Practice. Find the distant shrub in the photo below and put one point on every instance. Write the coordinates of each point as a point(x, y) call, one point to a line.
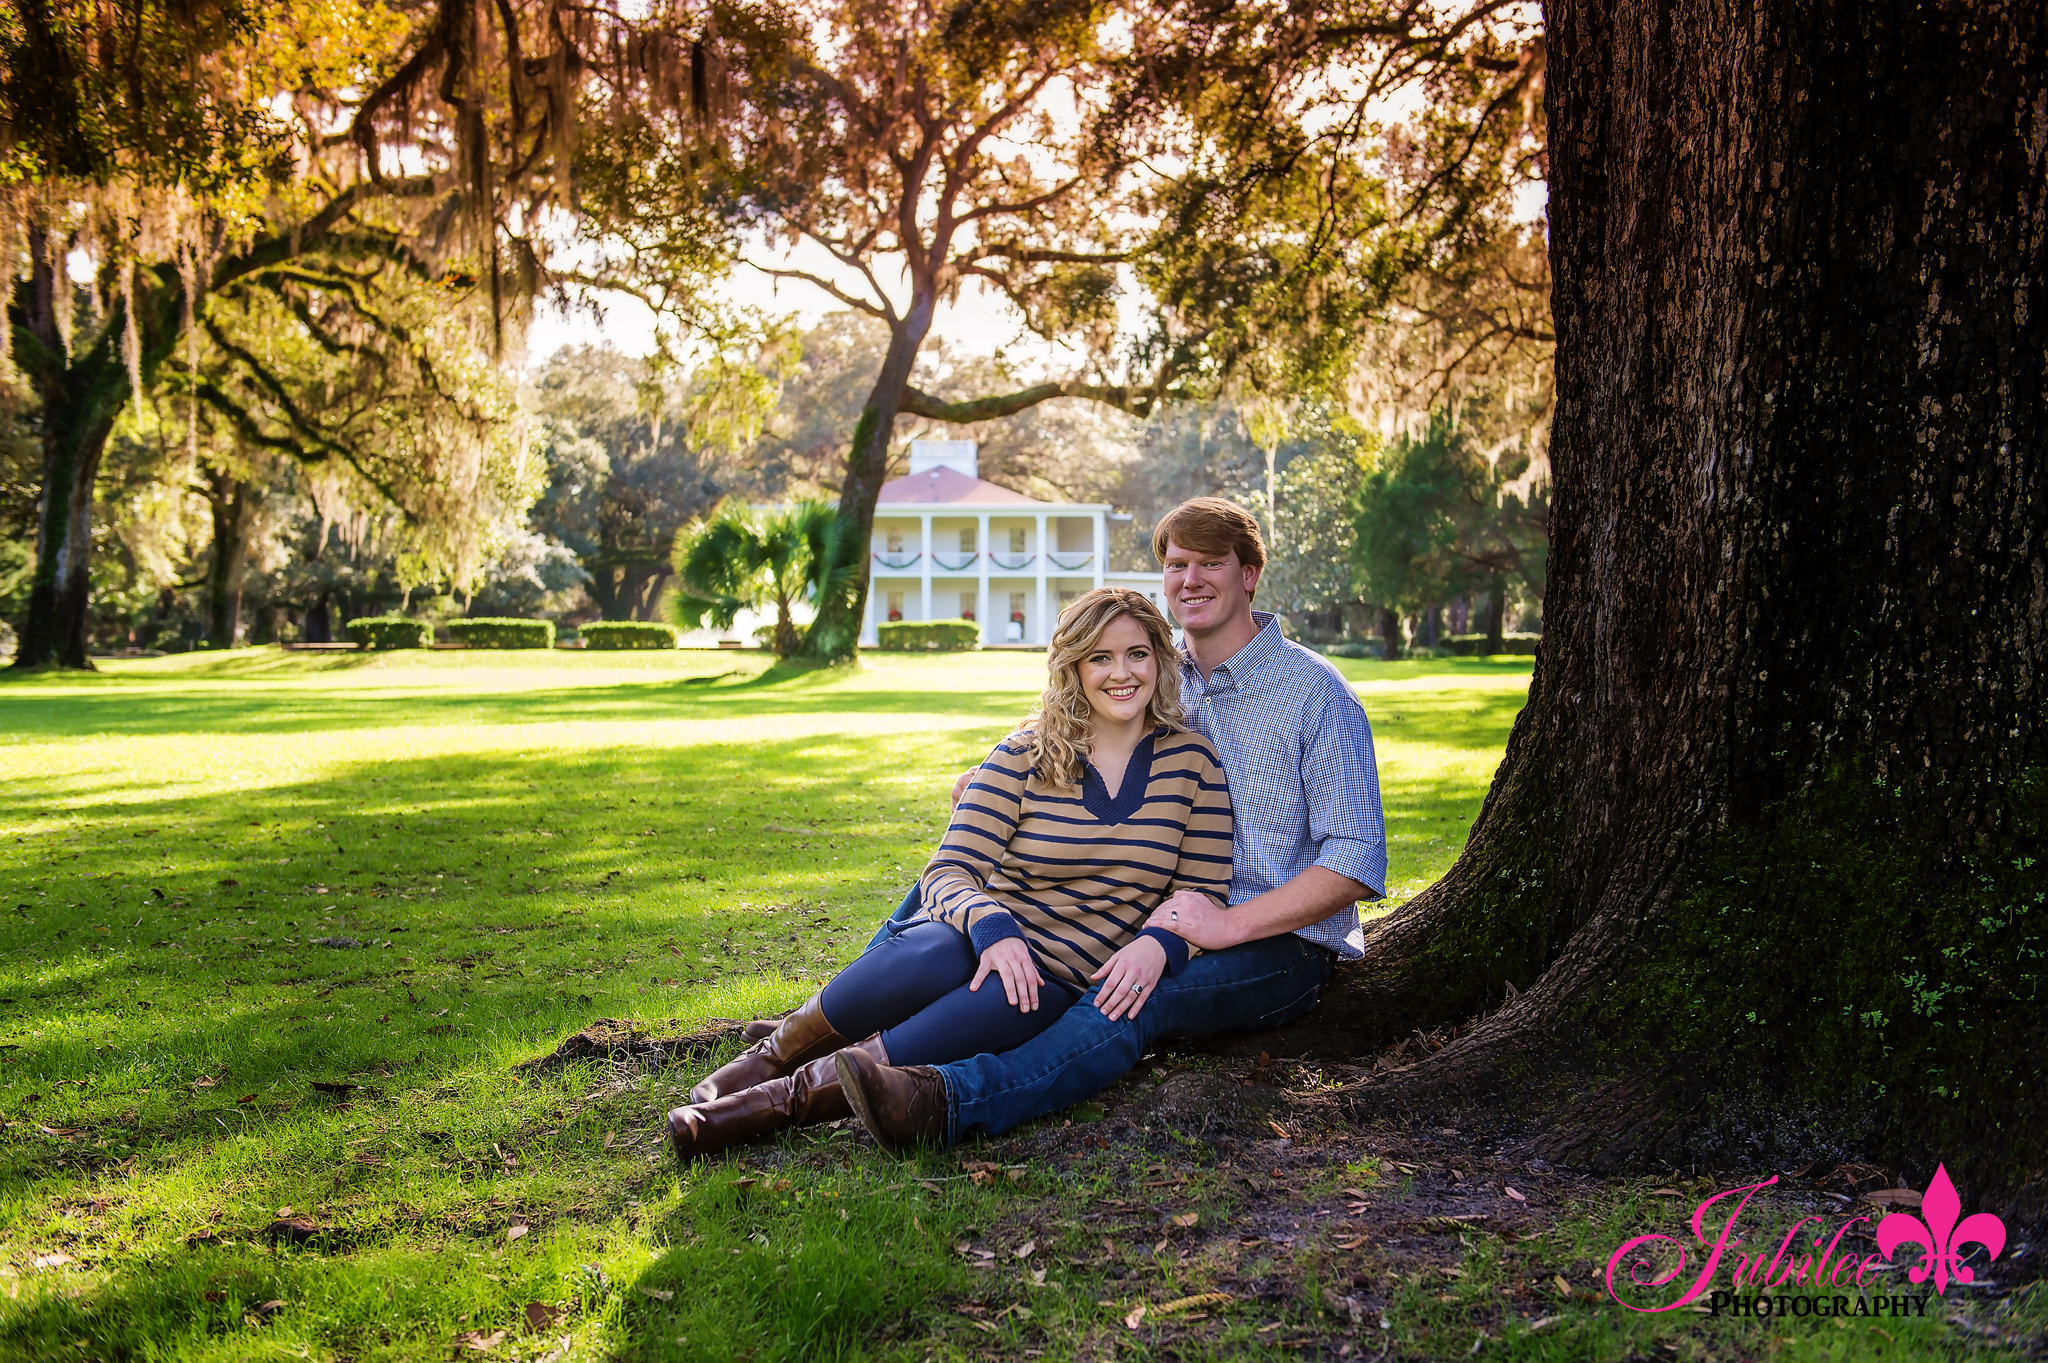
point(915, 636)
point(390, 631)
point(486, 632)
point(1474, 645)
point(1356, 648)
point(630, 634)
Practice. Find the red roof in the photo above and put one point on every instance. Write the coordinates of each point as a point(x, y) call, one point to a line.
point(949, 487)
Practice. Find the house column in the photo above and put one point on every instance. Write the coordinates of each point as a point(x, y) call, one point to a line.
point(1044, 622)
point(981, 544)
point(924, 563)
point(1101, 546)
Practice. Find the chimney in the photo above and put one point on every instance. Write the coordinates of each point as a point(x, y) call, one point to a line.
point(962, 456)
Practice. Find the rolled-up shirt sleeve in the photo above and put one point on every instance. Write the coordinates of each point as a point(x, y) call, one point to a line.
point(1340, 780)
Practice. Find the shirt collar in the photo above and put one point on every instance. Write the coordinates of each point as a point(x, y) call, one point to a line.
point(1241, 664)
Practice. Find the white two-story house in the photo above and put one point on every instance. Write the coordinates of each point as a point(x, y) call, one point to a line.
point(948, 546)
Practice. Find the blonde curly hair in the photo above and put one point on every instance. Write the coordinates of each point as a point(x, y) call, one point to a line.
point(1060, 733)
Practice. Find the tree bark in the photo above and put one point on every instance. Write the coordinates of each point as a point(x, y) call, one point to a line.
point(1390, 634)
point(835, 631)
point(233, 504)
point(1496, 614)
point(1758, 856)
point(80, 395)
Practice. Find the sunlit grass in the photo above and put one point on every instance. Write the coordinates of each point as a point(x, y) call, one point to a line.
point(516, 844)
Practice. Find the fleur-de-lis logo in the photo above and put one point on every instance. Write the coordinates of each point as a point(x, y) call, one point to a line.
point(1939, 1234)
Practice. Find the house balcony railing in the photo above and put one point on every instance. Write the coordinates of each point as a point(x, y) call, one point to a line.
point(1011, 562)
point(955, 563)
point(897, 561)
point(1070, 561)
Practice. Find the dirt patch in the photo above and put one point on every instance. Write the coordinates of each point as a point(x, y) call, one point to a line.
point(624, 1042)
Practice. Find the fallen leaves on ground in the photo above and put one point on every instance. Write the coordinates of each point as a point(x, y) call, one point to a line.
point(540, 1315)
point(480, 1341)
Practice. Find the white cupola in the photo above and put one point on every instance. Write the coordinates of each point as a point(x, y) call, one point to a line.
point(962, 456)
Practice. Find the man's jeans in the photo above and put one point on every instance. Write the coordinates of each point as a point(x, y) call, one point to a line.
point(1267, 983)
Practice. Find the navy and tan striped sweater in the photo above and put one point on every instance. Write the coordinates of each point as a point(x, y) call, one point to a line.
point(1075, 874)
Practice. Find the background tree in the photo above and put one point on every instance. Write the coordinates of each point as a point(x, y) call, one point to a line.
point(1440, 518)
point(896, 146)
point(153, 145)
point(1754, 877)
point(635, 451)
point(740, 561)
point(1309, 576)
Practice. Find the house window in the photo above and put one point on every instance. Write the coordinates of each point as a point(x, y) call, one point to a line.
point(1017, 607)
point(1017, 541)
point(967, 605)
point(896, 540)
point(895, 605)
point(968, 546)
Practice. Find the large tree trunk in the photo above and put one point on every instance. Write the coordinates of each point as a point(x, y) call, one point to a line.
point(1496, 614)
point(80, 395)
point(233, 503)
point(1760, 856)
point(835, 631)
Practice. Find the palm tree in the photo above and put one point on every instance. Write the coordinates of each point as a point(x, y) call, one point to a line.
point(737, 560)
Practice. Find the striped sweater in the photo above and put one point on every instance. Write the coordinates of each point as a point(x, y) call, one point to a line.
point(1076, 875)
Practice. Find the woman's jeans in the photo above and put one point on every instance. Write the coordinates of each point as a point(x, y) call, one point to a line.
point(1267, 983)
point(912, 988)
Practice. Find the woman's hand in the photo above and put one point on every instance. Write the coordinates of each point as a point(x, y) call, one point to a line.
point(1129, 977)
point(1011, 959)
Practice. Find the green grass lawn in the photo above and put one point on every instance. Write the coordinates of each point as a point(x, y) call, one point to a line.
point(278, 928)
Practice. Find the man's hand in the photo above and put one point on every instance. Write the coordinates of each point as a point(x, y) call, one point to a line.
point(961, 783)
point(1194, 917)
point(1011, 959)
point(1129, 977)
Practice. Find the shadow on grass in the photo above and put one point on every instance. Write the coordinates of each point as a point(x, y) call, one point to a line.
point(786, 1279)
point(518, 901)
point(137, 712)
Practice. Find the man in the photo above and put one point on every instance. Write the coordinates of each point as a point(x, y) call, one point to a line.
point(1309, 844)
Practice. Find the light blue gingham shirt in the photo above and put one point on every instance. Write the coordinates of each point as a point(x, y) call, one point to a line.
point(1304, 788)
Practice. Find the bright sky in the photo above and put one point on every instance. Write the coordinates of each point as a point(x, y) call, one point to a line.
point(981, 322)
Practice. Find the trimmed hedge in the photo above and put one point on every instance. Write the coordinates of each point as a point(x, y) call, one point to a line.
point(390, 631)
point(1357, 648)
point(630, 634)
point(1474, 645)
point(486, 632)
point(915, 636)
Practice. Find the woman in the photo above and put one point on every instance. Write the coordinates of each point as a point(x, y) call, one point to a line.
point(1076, 826)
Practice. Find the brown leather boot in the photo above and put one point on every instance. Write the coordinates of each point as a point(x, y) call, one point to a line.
point(809, 1096)
point(900, 1106)
point(803, 1035)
